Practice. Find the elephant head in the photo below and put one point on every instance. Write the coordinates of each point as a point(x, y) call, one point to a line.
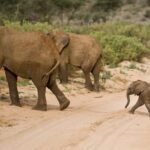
point(61, 40)
point(136, 87)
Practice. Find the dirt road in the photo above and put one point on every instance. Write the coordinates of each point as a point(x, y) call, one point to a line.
point(94, 121)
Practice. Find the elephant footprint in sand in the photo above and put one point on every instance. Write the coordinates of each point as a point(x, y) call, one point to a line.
point(142, 89)
point(30, 55)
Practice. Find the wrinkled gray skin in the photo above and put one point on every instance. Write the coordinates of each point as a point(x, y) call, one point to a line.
point(142, 89)
point(32, 56)
point(82, 51)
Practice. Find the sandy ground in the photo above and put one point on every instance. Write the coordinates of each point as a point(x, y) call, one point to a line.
point(94, 121)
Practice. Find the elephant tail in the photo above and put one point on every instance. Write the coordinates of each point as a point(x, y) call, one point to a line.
point(45, 77)
point(56, 65)
point(99, 63)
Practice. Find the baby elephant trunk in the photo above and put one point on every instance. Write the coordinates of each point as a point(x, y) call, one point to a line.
point(128, 100)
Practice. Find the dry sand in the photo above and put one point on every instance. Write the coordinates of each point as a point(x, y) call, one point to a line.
point(94, 121)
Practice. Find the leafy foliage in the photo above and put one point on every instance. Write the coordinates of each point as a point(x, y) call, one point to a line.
point(36, 10)
point(107, 5)
point(68, 11)
point(118, 48)
point(120, 41)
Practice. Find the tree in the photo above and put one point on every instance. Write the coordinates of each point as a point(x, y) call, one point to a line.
point(67, 6)
point(107, 5)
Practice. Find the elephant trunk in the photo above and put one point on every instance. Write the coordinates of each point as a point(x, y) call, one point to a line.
point(128, 100)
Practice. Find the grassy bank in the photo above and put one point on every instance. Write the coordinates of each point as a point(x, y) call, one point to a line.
point(120, 41)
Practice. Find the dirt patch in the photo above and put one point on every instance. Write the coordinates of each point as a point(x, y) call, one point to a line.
point(93, 121)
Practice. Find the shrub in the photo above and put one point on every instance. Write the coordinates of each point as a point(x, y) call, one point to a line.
point(43, 27)
point(118, 48)
point(107, 5)
point(120, 40)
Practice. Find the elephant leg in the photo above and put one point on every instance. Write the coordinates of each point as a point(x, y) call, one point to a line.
point(147, 104)
point(63, 101)
point(138, 104)
point(63, 73)
point(1, 59)
point(96, 72)
point(12, 84)
point(88, 82)
point(41, 103)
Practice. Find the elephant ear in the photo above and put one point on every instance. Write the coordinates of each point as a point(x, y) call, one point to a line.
point(62, 40)
point(140, 87)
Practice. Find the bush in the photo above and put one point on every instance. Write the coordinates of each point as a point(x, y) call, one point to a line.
point(107, 5)
point(119, 47)
point(120, 41)
point(147, 13)
point(43, 27)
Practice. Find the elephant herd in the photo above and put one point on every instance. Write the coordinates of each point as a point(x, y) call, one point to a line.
point(38, 56)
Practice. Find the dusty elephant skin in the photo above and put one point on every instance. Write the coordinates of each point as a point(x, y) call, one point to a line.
point(82, 51)
point(142, 89)
point(32, 56)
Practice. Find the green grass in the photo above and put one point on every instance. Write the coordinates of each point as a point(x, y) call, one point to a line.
point(24, 82)
point(2, 78)
point(132, 66)
point(105, 76)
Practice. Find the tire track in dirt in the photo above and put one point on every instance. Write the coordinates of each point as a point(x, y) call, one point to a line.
point(34, 137)
point(48, 132)
point(99, 132)
point(113, 134)
point(100, 124)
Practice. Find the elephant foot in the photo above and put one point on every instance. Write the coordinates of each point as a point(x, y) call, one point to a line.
point(131, 112)
point(16, 104)
point(42, 107)
point(89, 87)
point(64, 104)
point(96, 88)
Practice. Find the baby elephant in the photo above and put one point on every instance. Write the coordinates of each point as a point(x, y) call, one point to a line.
point(142, 89)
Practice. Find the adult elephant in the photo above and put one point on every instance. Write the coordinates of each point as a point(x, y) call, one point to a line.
point(81, 51)
point(30, 55)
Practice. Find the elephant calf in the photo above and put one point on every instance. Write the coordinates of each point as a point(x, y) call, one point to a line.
point(142, 89)
point(83, 52)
